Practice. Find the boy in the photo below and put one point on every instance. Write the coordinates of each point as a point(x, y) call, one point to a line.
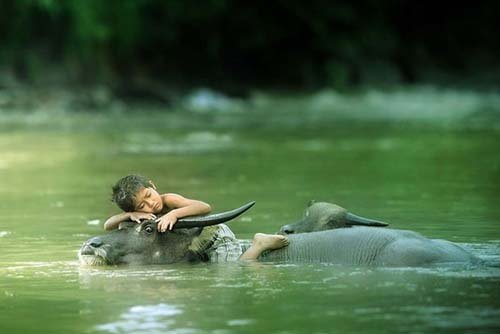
point(138, 198)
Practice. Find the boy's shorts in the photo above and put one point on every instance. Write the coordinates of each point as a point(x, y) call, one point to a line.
point(225, 246)
point(217, 243)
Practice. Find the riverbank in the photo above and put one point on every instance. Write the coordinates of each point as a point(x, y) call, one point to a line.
point(99, 106)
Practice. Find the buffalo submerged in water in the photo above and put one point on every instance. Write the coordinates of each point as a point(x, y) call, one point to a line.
point(328, 233)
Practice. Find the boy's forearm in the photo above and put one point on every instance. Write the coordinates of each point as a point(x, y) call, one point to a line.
point(113, 222)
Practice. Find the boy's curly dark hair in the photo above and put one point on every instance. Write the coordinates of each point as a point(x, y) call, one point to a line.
point(126, 188)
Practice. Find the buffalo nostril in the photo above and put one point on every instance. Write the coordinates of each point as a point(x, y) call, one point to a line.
point(95, 242)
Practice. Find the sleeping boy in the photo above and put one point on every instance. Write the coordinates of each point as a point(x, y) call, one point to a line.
point(139, 199)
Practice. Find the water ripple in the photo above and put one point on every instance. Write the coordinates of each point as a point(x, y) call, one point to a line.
point(146, 319)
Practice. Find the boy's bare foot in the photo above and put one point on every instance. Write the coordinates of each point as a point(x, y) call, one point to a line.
point(262, 242)
point(269, 241)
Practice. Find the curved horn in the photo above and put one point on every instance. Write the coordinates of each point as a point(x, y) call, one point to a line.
point(218, 218)
point(357, 220)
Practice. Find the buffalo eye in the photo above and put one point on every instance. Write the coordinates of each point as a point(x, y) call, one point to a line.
point(149, 229)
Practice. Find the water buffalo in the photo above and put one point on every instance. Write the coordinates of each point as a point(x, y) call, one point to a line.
point(141, 243)
point(365, 242)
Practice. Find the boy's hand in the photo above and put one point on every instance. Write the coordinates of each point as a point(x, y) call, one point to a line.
point(166, 222)
point(137, 216)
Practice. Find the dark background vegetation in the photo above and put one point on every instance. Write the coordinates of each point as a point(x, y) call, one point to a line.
point(222, 43)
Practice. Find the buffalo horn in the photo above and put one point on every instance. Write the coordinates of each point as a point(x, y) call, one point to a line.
point(218, 218)
point(357, 220)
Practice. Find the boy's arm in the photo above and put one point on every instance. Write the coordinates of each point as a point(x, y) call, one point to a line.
point(113, 221)
point(184, 207)
point(181, 207)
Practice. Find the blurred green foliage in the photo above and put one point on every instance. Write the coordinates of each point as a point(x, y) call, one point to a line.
point(287, 42)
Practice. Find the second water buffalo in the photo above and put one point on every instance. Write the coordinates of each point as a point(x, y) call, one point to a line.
point(351, 239)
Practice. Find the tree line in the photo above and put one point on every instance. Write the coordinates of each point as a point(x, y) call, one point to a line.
point(277, 42)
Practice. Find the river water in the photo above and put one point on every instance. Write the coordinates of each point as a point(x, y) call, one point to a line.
point(434, 174)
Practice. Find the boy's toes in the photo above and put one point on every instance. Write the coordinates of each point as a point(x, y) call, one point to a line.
point(283, 239)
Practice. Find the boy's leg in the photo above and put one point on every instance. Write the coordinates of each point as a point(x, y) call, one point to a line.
point(262, 242)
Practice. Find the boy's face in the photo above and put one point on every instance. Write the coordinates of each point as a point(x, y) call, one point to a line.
point(148, 200)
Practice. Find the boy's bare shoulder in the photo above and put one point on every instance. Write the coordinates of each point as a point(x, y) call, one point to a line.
point(172, 199)
point(171, 196)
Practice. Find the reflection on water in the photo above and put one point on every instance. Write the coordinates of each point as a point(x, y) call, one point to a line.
point(247, 297)
point(146, 319)
point(439, 180)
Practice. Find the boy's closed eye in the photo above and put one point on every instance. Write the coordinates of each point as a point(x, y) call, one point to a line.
point(146, 195)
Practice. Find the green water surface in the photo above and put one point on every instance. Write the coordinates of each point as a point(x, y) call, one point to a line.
point(437, 179)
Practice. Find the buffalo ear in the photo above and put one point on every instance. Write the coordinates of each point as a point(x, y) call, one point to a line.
point(311, 202)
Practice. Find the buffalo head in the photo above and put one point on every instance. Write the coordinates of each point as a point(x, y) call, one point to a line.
point(136, 243)
point(141, 243)
point(322, 216)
